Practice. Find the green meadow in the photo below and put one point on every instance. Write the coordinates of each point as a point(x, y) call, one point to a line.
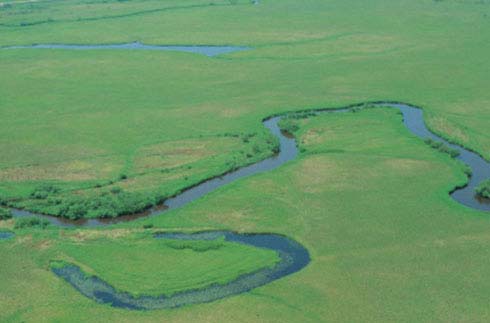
point(101, 133)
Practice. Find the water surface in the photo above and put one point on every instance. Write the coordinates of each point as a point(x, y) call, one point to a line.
point(412, 119)
point(292, 258)
point(203, 50)
point(4, 235)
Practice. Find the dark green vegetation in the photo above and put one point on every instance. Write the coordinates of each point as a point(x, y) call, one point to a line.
point(30, 222)
point(483, 189)
point(369, 200)
point(5, 214)
point(442, 147)
point(201, 246)
point(106, 204)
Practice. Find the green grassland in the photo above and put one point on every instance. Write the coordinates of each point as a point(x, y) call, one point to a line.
point(82, 120)
point(413, 255)
point(144, 266)
point(368, 199)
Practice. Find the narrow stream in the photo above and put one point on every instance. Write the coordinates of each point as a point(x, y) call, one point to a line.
point(203, 50)
point(412, 118)
point(5, 235)
point(292, 258)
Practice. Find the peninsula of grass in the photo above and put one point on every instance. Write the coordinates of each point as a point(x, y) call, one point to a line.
point(143, 265)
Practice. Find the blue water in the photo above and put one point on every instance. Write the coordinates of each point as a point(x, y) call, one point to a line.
point(4, 235)
point(203, 50)
point(412, 119)
point(293, 257)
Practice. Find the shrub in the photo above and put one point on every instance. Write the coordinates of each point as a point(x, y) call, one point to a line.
point(116, 190)
point(31, 222)
point(105, 205)
point(5, 214)
point(246, 137)
point(301, 115)
point(442, 147)
point(483, 189)
point(42, 192)
point(467, 170)
point(289, 125)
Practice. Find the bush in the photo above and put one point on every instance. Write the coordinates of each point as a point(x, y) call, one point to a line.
point(44, 191)
point(31, 222)
point(5, 214)
point(116, 190)
point(483, 189)
point(123, 177)
point(442, 147)
point(467, 170)
point(301, 115)
point(106, 205)
point(289, 125)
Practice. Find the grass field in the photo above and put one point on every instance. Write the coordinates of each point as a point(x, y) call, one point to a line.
point(129, 128)
point(105, 115)
point(415, 254)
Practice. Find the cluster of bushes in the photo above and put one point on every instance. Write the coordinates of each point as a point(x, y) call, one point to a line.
point(467, 170)
point(5, 214)
point(246, 137)
point(102, 206)
point(198, 246)
point(44, 191)
point(301, 115)
point(483, 189)
point(442, 147)
point(112, 203)
point(31, 222)
point(289, 125)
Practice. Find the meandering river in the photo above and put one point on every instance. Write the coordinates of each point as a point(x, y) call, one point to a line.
point(412, 118)
point(293, 256)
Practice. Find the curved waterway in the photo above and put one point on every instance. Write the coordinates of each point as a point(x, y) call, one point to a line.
point(412, 118)
point(292, 258)
point(196, 49)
